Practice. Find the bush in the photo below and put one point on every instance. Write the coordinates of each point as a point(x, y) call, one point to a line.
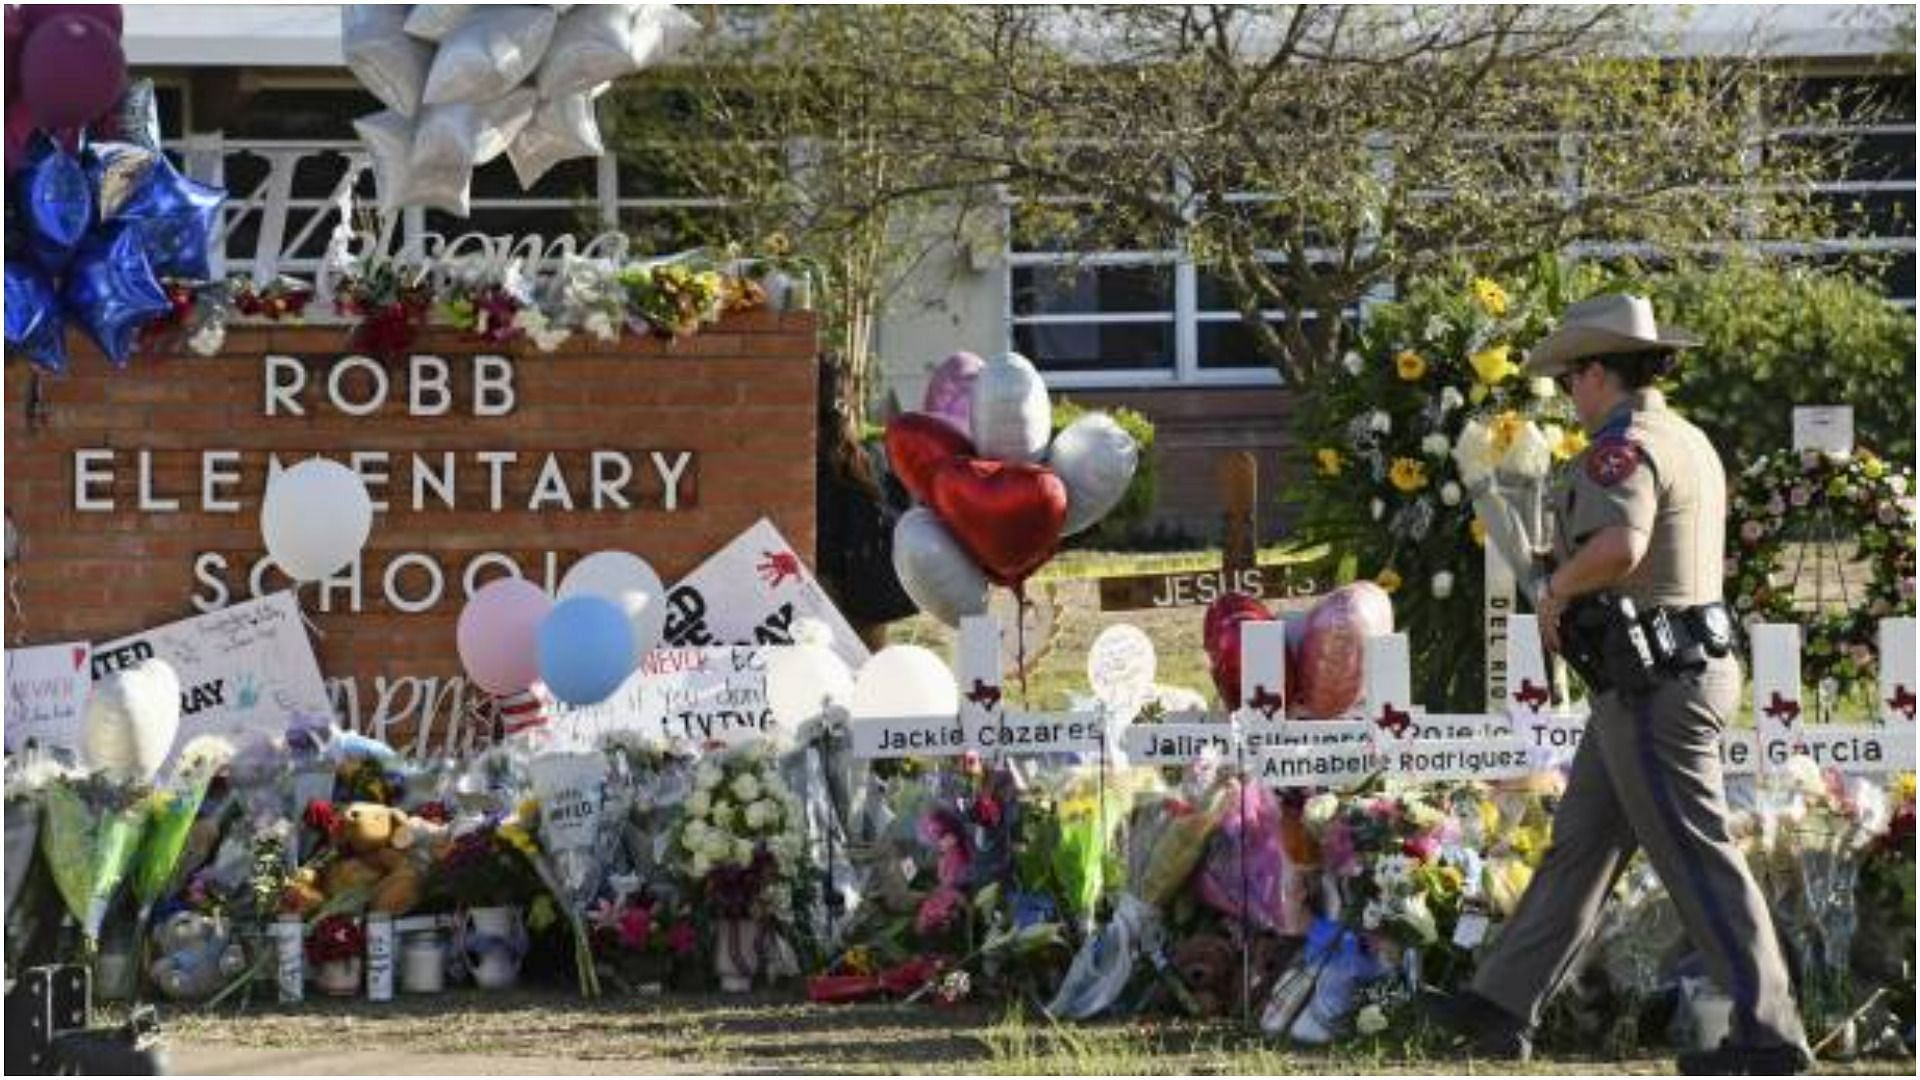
point(1776, 336)
point(1128, 519)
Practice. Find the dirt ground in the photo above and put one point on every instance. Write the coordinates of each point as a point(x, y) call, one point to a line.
point(530, 1032)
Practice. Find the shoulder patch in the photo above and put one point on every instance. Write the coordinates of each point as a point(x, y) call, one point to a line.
point(1612, 459)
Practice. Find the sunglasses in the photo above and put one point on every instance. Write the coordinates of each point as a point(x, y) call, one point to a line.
point(1564, 380)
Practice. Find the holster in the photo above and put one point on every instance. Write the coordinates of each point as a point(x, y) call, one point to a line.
point(1602, 640)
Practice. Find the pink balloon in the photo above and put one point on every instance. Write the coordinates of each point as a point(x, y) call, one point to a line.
point(950, 394)
point(71, 71)
point(1333, 647)
point(107, 15)
point(499, 633)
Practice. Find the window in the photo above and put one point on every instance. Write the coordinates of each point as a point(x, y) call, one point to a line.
point(1144, 315)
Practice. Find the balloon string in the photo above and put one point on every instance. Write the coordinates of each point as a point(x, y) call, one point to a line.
point(301, 607)
point(1020, 640)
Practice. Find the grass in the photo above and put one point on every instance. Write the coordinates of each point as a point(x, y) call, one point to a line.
point(772, 1032)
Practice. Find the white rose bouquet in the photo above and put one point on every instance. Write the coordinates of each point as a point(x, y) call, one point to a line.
point(741, 838)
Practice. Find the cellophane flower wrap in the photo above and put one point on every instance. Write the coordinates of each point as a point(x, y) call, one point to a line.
point(1167, 840)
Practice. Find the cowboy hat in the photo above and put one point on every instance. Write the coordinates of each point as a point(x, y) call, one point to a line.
point(1609, 325)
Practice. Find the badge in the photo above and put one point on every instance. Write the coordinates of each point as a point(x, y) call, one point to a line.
point(1612, 459)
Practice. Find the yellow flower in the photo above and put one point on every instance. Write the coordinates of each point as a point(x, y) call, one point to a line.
point(1410, 364)
point(521, 839)
point(527, 809)
point(1903, 789)
point(1871, 466)
point(778, 245)
point(1489, 810)
point(1477, 393)
point(1493, 365)
point(1571, 442)
point(1505, 429)
point(1478, 530)
point(1490, 296)
point(1407, 475)
point(1387, 579)
point(1329, 460)
point(860, 960)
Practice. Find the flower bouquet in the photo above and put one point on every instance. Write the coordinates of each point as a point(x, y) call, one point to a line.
point(1168, 838)
point(335, 949)
point(673, 299)
point(638, 939)
point(742, 846)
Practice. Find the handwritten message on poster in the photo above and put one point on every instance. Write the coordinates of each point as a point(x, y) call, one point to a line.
point(47, 688)
point(249, 667)
point(753, 592)
point(696, 696)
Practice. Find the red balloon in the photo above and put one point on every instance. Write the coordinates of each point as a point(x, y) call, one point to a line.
point(71, 71)
point(19, 130)
point(1333, 647)
point(1221, 635)
point(16, 33)
point(917, 444)
point(107, 15)
point(1007, 516)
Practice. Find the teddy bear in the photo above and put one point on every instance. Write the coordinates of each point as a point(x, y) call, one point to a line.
point(374, 847)
point(194, 955)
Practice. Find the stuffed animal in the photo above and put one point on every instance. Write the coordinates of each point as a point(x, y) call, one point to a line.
point(195, 955)
point(373, 854)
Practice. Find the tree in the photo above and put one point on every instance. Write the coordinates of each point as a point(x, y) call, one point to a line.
point(1308, 157)
point(791, 115)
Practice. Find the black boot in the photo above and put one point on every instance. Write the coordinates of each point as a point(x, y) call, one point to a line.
point(1730, 1060)
point(1480, 1027)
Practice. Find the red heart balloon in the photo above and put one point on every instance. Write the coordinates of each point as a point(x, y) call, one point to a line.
point(917, 444)
point(1221, 635)
point(1007, 516)
point(1333, 647)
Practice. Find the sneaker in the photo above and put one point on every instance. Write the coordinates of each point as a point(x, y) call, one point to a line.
point(1480, 1027)
point(1730, 1060)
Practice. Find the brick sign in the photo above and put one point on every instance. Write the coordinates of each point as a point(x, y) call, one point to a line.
point(136, 493)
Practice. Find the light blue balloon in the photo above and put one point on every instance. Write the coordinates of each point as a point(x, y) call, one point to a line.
point(586, 650)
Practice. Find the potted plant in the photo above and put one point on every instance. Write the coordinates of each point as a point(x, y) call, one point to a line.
point(335, 948)
point(638, 939)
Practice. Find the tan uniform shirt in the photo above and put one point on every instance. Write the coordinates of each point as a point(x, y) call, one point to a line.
point(1651, 471)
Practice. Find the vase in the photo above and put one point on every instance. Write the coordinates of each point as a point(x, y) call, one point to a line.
point(736, 953)
point(423, 963)
point(494, 941)
point(338, 978)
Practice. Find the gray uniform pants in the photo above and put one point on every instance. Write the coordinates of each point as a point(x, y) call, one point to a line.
point(1647, 775)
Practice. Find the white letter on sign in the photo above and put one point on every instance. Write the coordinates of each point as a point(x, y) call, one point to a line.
point(85, 476)
point(281, 392)
point(429, 373)
point(492, 386)
point(380, 386)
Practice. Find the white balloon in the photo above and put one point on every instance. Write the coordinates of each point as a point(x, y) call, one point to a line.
point(450, 140)
point(904, 680)
point(391, 65)
point(492, 51)
point(315, 518)
point(431, 22)
point(630, 584)
point(803, 680)
point(562, 128)
point(389, 139)
point(1095, 458)
point(660, 31)
point(1011, 414)
point(131, 720)
point(937, 573)
point(592, 44)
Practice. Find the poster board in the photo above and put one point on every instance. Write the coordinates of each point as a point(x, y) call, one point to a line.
point(754, 591)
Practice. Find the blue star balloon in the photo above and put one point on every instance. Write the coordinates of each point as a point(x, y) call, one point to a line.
point(34, 323)
point(178, 217)
point(111, 289)
point(59, 203)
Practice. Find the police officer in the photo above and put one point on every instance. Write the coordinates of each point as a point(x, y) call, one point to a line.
point(1641, 514)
